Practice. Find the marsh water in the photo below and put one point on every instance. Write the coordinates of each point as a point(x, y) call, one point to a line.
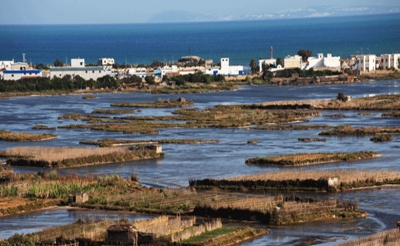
point(227, 158)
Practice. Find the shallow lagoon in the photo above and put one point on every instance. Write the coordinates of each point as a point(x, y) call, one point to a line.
point(225, 159)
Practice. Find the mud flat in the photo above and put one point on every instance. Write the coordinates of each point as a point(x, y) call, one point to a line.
point(312, 181)
point(305, 159)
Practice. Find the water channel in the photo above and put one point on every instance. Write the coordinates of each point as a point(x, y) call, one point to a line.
point(224, 159)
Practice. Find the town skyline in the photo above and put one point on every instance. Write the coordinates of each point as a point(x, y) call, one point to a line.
point(18, 12)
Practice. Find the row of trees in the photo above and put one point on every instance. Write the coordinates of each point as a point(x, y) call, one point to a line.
point(65, 83)
point(198, 77)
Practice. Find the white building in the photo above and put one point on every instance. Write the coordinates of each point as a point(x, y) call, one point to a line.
point(225, 69)
point(77, 62)
point(390, 60)
point(78, 68)
point(323, 62)
point(6, 64)
point(262, 62)
point(21, 74)
point(366, 62)
point(106, 62)
point(292, 62)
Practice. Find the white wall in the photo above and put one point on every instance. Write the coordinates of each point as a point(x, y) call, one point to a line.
point(18, 74)
point(77, 62)
point(6, 64)
point(86, 73)
point(261, 62)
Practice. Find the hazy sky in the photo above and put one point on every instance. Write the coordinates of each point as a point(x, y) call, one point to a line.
point(133, 11)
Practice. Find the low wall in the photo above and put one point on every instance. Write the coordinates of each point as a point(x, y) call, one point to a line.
point(196, 230)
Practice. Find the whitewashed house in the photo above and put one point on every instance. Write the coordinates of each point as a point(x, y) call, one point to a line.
point(262, 62)
point(21, 74)
point(366, 62)
point(328, 62)
point(78, 68)
point(390, 60)
point(225, 69)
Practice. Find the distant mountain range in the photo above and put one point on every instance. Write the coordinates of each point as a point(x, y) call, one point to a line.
point(309, 12)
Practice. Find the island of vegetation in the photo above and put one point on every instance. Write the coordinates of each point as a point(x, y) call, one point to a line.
point(107, 142)
point(382, 138)
point(349, 130)
point(312, 139)
point(316, 181)
point(63, 157)
point(43, 127)
point(220, 116)
point(89, 97)
point(113, 111)
point(180, 102)
point(304, 159)
point(25, 137)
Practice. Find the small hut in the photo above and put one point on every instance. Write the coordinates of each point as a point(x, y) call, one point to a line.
point(122, 235)
point(78, 198)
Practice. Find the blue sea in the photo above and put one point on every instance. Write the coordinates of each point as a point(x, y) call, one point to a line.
point(241, 41)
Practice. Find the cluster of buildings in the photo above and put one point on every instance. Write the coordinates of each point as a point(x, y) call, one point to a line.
point(11, 70)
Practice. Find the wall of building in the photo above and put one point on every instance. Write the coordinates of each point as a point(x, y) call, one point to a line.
point(21, 74)
point(77, 62)
point(261, 62)
point(86, 73)
point(292, 61)
point(6, 64)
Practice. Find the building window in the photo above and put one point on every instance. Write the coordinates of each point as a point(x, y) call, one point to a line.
point(12, 75)
point(81, 63)
point(93, 71)
point(99, 71)
point(60, 75)
point(86, 71)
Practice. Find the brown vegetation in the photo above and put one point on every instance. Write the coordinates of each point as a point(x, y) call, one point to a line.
point(43, 127)
point(107, 142)
point(331, 181)
point(61, 157)
point(360, 131)
point(24, 137)
point(157, 104)
point(382, 138)
point(303, 159)
point(113, 111)
point(387, 238)
point(312, 139)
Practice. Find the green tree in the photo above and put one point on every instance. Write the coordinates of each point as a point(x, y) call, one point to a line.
point(279, 62)
point(304, 54)
point(21, 239)
point(253, 66)
point(41, 66)
point(58, 63)
point(150, 80)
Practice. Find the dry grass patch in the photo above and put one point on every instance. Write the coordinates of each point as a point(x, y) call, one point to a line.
point(303, 159)
point(387, 238)
point(24, 137)
point(72, 156)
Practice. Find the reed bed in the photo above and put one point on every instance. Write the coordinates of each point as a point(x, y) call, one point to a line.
point(43, 127)
point(382, 138)
point(113, 111)
point(61, 157)
point(89, 97)
point(24, 137)
point(156, 104)
point(312, 139)
point(107, 142)
point(54, 154)
point(302, 159)
point(387, 238)
point(346, 176)
point(380, 102)
point(361, 131)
